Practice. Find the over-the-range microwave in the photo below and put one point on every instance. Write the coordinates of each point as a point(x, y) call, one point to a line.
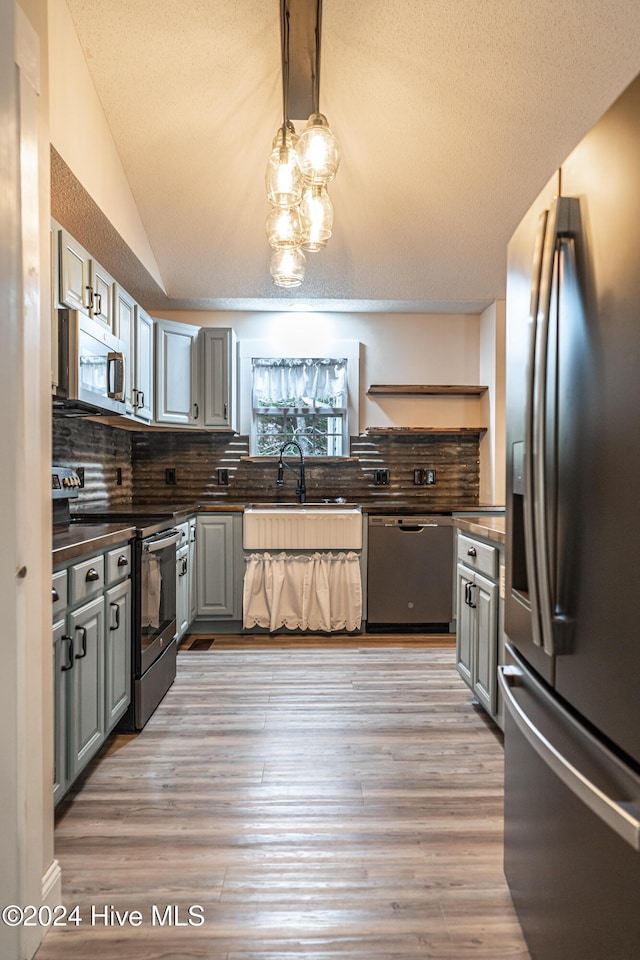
point(91, 367)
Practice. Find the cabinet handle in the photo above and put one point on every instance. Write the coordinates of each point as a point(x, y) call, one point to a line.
point(225, 410)
point(98, 312)
point(471, 552)
point(92, 575)
point(55, 596)
point(197, 410)
point(67, 666)
point(140, 401)
point(116, 625)
point(122, 560)
point(89, 297)
point(83, 631)
point(471, 603)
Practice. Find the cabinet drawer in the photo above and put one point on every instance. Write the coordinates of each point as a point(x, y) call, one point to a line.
point(183, 528)
point(59, 589)
point(119, 563)
point(477, 555)
point(87, 579)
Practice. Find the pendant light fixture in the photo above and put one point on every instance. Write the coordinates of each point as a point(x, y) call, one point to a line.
point(299, 170)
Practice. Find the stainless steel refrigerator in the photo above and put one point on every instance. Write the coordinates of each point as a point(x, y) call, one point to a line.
point(572, 613)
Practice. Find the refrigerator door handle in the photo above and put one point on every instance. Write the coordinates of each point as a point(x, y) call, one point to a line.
point(529, 487)
point(621, 816)
point(561, 223)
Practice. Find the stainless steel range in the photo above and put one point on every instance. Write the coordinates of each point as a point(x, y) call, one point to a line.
point(153, 632)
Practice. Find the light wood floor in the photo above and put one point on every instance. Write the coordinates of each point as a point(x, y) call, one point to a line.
point(336, 801)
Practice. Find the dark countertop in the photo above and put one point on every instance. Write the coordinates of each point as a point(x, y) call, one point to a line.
point(493, 528)
point(83, 538)
point(80, 539)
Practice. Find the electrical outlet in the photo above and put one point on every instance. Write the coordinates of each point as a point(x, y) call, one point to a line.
point(223, 476)
point(80, 472)
point(170, 475)
point(429, 477)
point(118, 476)
point(381, 477)
point(418, 477)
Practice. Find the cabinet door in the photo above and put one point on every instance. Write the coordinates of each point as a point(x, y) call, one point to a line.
point(485, 598)
point(75, 284)
point(62, 659)
point(193, 586)
point(117, 653)
point(465, 626)
point(86, 693)
point(124, 310)
point(143, 366)
point(102, 301)
point(182, 591)
point(216, 556)
point(177, 374)
point(219, 378)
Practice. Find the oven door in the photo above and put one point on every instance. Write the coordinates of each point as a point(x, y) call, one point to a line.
point(157, 595)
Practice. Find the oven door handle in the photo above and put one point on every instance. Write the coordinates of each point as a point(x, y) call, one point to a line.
point(152, 546)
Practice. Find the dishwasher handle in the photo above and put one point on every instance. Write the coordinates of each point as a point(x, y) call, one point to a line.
point(415, 527)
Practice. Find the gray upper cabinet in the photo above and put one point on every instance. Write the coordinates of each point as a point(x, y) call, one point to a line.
point(124, 320)
point(143, 365)
point(219, 374)
point(75, 287)
point(84, 284)
point(102, 295)
point(177, 374)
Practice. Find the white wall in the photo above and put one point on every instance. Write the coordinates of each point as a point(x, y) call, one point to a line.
point(492, 373)
point(26, 844)
point(396, 349)
point(81, 135)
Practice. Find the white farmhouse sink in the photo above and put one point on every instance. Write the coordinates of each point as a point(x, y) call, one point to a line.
point(309, 526)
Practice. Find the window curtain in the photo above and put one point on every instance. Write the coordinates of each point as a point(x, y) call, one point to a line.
point(299, 383)
point(318, 591)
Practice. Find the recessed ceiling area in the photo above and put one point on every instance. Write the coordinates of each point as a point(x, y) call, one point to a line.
point(451, 116)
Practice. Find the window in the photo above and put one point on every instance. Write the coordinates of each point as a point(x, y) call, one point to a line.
point(301, 399)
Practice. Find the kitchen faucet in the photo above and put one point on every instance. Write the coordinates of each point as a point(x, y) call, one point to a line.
point(301, 489)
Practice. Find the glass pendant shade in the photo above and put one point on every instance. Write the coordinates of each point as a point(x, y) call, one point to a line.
point(284, 227)
point(318, 150)
point(283, 177)
point(316, 213)
point(287, 267)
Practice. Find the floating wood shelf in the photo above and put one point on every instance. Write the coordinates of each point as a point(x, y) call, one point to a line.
point(394, 431)
point(425, 390)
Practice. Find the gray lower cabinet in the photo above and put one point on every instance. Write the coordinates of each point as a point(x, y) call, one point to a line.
point(182, 591)
point(62, 662)
point(117, 652)
point(192, 571)
point(85, 712)
point(91, 658)
point(477, 619)
point(219, 560)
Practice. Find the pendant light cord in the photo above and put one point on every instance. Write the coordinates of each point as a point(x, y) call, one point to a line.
point(316, 72)
point(284, 56)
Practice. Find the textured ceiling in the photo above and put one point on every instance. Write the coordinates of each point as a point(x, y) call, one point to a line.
point(451, 115)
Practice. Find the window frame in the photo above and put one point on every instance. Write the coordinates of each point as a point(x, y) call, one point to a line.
point(290, 349)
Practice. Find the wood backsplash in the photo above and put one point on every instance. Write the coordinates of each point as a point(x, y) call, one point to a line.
point(143, 457)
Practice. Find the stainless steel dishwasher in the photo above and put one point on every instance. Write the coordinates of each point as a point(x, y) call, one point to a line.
point(410, 571)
